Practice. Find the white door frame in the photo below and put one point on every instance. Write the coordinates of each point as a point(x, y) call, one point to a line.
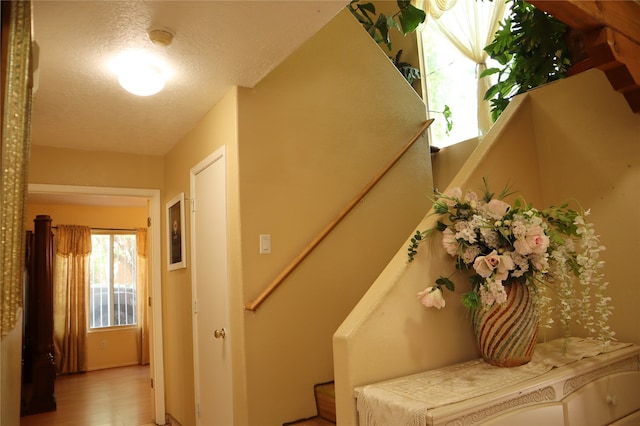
point(156, 275)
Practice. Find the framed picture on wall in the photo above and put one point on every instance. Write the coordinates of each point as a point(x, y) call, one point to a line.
point(176, 252)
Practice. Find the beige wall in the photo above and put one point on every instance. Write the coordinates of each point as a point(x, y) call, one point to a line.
point(10, 371)
point(407, 43)
point(62, 166)
point(89, 215)
point(217, 128)
point(556, 143)
point(449, 160)
point(312, 135)
point(110, 347)
point(592, 155)
point(308, 139)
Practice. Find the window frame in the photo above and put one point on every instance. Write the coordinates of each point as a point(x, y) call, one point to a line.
point(112, 311)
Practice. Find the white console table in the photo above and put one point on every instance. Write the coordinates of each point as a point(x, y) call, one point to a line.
point(568, 382)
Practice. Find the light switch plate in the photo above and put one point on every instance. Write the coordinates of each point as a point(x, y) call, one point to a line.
point(265, 244)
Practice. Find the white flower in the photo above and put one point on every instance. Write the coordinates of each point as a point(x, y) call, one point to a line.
point(465, 232)
point(504, 243)
point(431, 297)
point(492, 292)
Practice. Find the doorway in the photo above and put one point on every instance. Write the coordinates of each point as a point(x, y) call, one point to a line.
point(155, 289)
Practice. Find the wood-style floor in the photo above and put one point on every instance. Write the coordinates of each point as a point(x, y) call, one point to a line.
point(113, 397)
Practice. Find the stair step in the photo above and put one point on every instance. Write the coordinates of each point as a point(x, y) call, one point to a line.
point(325, 395)
point(313, 421)
point(326, 400)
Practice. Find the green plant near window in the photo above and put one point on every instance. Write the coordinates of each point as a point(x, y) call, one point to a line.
point(406, 20)
point(531, 49)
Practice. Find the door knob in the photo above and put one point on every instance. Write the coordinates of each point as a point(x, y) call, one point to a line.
point(220, 333)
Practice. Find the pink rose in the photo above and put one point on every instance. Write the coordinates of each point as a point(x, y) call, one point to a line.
point(494, 263)
point(449, 242)
point(534, 241)
point(451, 195)
point(431, 297)
point(497, 208)
point(506, 264)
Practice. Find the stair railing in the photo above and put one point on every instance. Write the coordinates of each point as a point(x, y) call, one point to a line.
point(253, 306)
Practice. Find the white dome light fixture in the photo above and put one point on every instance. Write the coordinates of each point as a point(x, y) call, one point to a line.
point(141, 78)
point(140, 73)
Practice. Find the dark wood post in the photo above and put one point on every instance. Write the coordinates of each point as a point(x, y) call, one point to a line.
point(41, 397)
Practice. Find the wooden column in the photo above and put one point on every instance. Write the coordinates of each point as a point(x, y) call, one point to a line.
point(38, 396)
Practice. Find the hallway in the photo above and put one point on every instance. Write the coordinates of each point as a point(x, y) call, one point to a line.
point(112, 397)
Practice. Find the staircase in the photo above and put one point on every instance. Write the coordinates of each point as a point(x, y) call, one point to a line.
point(605, 35)
point(325, 396)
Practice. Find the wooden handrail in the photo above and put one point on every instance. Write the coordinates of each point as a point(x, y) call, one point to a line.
point(252, 306)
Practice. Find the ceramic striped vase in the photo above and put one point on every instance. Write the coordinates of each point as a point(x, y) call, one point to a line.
point(507, 333)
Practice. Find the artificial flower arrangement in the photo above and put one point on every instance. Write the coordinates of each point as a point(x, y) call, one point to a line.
point(548, 250)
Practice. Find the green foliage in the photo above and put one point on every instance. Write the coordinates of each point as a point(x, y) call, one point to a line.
point(378, 26)
point(444, 281)
point(415, 242)
point(448, 118)
point(408, 71)
point(530, 47)
point(471, 300)
point(405, 20)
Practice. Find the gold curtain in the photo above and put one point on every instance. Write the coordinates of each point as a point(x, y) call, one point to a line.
point(143, 296)
point(70, 283)
point(16, 124)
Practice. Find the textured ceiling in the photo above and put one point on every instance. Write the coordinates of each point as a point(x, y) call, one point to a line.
point(79, 104)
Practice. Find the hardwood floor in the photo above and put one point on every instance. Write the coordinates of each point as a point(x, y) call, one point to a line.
point(113, 397)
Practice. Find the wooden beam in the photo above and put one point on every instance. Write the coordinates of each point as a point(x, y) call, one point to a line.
point(609, 32)
point(607, 46)
point(623, 16)
point(619, 58)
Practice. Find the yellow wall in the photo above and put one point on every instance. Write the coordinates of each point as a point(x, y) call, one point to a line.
point(110, 347)
point(407, 43)
point(62, 166)
point(557, 142)
point(309, 137)
point(592, 154)
point(449, 160)
point(217, 128)
point(312, 135)
point(92, 216)
point(10, 371)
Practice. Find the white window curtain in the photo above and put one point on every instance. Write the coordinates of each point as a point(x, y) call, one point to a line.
point(470, 26)
point(142, 296)
point(71, 279)
point(435, 8)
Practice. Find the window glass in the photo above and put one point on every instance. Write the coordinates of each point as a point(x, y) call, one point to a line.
point(450, 80)
point(112, 278)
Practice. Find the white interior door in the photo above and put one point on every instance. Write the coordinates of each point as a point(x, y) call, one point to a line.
point(212, 332)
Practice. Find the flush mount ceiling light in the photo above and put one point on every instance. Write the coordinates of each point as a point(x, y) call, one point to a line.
point(139, 72)
point(141, 77)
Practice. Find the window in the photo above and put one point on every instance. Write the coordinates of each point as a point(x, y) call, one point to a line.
point(112, 279)
point(450, 80)
point(451, 47)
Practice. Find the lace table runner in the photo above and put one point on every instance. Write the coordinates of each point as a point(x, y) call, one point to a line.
point(405, 401)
